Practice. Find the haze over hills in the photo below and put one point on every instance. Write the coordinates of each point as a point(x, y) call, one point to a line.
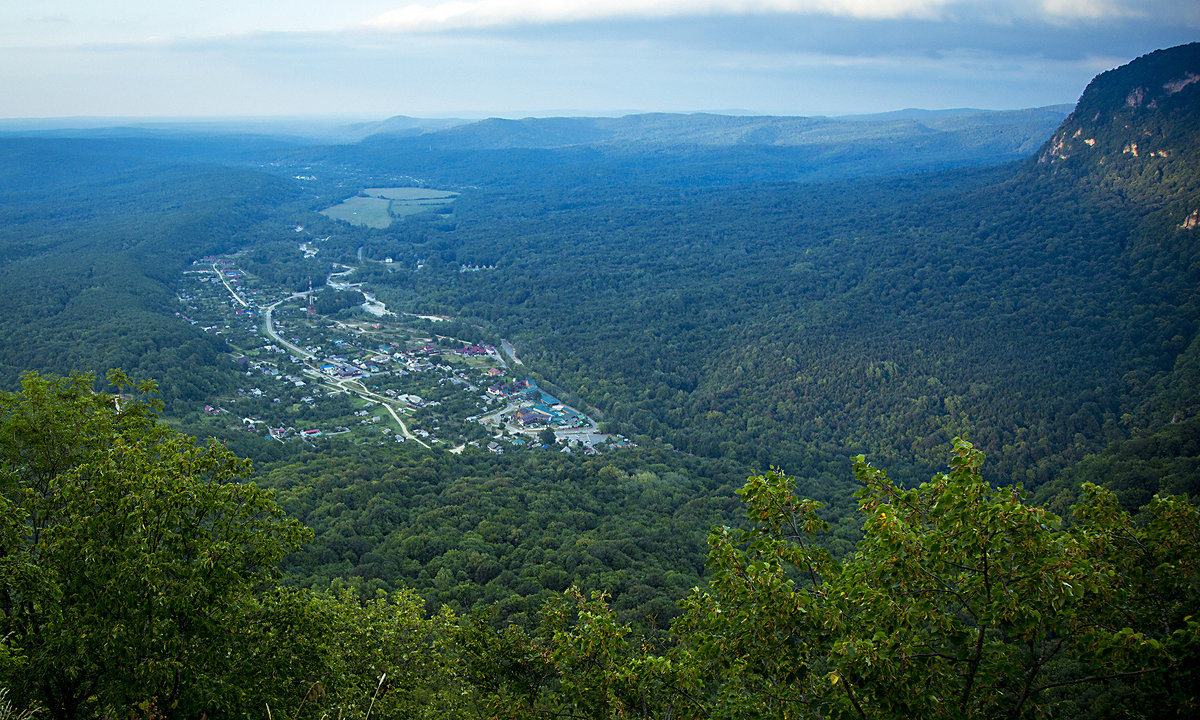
point(961, 136)
point(716, 149)
point(706, 129)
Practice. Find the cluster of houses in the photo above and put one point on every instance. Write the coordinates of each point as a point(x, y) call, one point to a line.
point(542, 410)
point(382, 359)
point(343, 369)
point(268, 370)
point(475, 351)
point(529, 409)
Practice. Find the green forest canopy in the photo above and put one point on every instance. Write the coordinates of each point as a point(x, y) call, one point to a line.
point(138, 577)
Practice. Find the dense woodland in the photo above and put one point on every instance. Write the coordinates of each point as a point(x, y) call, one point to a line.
point(741, 311)
point(141, 577)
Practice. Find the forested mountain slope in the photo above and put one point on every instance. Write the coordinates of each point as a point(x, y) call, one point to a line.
point(695, 150)
point(94, 234)
point(994, 134)
point(1033, 307)
point(1134, 137)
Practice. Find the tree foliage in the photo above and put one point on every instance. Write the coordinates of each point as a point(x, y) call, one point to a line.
point(129, 552)
point(139, 576)
point(960, 601)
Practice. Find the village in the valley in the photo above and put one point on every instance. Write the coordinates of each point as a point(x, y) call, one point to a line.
point(367, 373)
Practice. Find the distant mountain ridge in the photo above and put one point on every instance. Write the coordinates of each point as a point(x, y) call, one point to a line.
point(1013, 129)
point(708, 150)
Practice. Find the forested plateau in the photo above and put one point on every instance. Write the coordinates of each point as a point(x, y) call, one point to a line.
point(801, 302)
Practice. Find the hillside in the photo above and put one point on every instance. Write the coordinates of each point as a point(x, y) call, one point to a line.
point(1035, 308)
point(992, 129)
point(703, 150)
point(1133, 141)
point(1136, 122)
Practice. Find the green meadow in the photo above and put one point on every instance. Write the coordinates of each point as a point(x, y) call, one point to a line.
point(379, 207)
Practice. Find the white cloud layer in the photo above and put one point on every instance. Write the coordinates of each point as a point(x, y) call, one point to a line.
point(462, 14)
point(492, 13)
point(382, 57)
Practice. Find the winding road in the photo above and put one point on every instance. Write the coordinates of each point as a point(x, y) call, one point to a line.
point(309, 358)
point(386, 402)
point(269, 326)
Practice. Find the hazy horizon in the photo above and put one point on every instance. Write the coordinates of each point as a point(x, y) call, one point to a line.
point(106, 121)
point(374, 59)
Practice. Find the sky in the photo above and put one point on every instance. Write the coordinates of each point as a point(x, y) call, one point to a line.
point(365, 59)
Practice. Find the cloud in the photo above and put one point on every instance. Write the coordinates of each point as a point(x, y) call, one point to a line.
point(475, 14)
point(1090, 9)
point(508, 57)
point(458, 14)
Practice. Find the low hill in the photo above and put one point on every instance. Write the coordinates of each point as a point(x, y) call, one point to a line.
point(704, 149)
point(702, 129)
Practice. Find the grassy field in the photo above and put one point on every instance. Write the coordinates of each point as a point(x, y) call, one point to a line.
point(381, 206)
point(369, 211)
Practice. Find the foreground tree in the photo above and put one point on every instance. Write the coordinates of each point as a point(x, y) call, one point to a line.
point(128, 554)
point(960, 601)
point(138, 578)
point(579, 663)
point(307, 655)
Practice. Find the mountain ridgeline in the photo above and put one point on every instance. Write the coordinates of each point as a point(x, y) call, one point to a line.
point(1136, 122)
point(1133, 141)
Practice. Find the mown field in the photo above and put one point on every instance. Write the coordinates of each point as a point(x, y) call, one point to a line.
point(379, 207)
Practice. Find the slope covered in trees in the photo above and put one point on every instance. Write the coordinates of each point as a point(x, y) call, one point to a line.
point(138, 577)
point(1038, 305)
point(93, 235)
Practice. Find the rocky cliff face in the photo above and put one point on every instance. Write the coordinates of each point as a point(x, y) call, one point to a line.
point(1138, 117)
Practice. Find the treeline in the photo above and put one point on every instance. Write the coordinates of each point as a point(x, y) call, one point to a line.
point(138, 577)
point(477, 530)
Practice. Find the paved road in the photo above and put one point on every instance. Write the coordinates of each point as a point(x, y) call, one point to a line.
point(590, 435)
point(383, 400)
point(269, 327)
point(229, 287)
point(495, 416)
point(361, 390)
